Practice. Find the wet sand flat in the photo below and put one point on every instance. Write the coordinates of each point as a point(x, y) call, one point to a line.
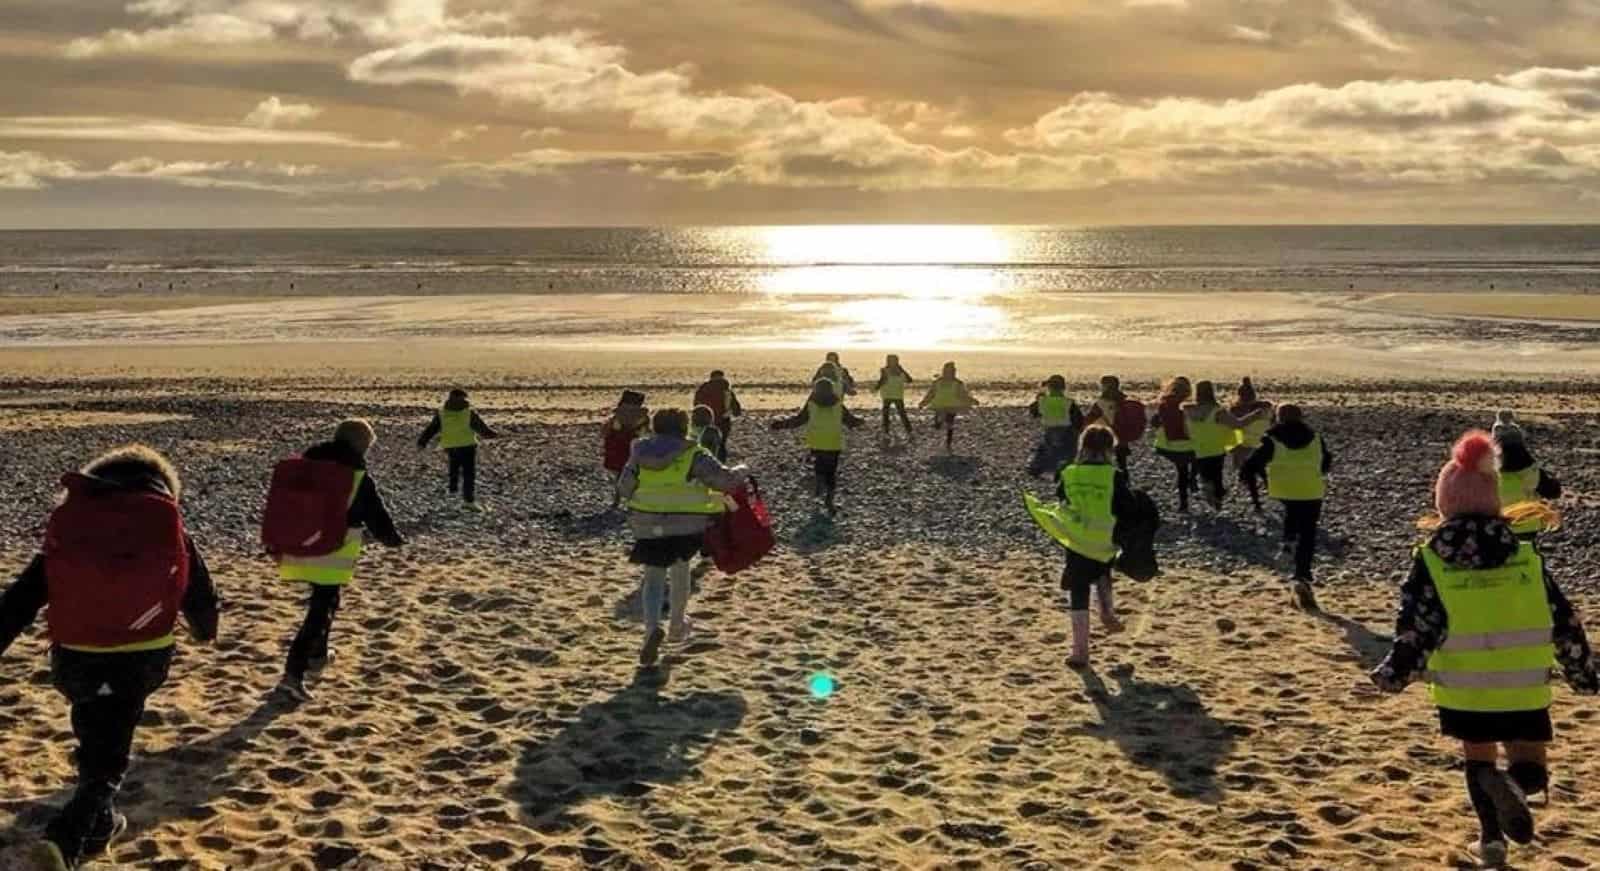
point(1531, 306)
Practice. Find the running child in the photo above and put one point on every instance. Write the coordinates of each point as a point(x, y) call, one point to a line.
point(1295, 460)
point(116, 569)
point(328, 575)
point(825, 419)
point(1212, 432)
point(1125, 416)
point(1061, 419)
point(1173, 439)
point(1248, 405)
point(673, 488)
point(1522, 477)
point(717, 395)
point(1483, 622)
point(948, 397)
point(893, 380)
point(628, 422)
point(458, 428)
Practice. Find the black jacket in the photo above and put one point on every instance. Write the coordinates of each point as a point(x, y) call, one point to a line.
point(368, 510)
point(478, 426)
point(30, 592)
point(1295, 436)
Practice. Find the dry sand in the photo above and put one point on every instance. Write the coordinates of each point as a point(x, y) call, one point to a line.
point(484, 709)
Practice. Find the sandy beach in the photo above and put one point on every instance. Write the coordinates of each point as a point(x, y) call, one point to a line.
point(484, 709)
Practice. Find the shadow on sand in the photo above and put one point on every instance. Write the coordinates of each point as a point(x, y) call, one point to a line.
point(1368, 646)
point(627, 745)
point(181, 780)
point(1162, 727)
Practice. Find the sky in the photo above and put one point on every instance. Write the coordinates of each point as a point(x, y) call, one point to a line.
point(199, 113)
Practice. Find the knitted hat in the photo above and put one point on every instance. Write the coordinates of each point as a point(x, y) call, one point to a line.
point(1506, 430)
point(1469, 484)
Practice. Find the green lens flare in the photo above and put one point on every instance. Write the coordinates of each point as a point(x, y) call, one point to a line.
point(822, 685)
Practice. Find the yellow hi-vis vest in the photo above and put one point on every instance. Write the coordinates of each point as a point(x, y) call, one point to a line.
point(947, 396)
point(669, 490)
point(1253, 432)
point(1210, 439)
point(1498, 653)
point(1054, 411)
point(1295, 475)
point(455, 429)
point(825, 427)
point(1085, 523)
point(1517, 487)
point(893, 387)
point(337, 568)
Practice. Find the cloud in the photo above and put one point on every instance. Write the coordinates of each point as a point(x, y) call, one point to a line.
point(28, 170)
point(272, 112)
point(1364, 28)
point(1250, 34)
point(237, 22)
point(465, 134)
point(542, 133)
point(299, 181)
point(108, 129)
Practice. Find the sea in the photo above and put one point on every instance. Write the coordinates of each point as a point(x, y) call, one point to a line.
point(960, 260)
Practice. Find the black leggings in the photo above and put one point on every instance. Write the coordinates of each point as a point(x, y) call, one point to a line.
point(312, 639)
point(896, 405)
point(826, 466)
point(1080, 576)
point(1124, 450)
point(1300, 521)
point(464, 471)
point(1184, 461)
point(1210, 471)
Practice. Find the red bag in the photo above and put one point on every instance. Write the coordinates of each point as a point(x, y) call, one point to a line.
point(738, 539)
point(116, 565)
point(308, 507)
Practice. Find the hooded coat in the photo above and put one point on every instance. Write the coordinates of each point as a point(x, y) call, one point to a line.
point(1294, 435)
point(657, 452)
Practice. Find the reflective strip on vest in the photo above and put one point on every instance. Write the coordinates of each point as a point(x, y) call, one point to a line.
point(1499, 652)
point(455, 429)
point(1054, 411)
point(161, 643)
point(1295, 474)
point(335, 569)
point(669, 490)
point(1211, 439)
point(825, 427)
point(893, 387)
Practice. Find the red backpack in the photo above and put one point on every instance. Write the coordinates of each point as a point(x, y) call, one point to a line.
point(308, 508)
point(738, 539)
point(1131, 421)
point(116, 565)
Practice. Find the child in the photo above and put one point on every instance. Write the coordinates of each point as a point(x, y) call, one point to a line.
point(892, 383)
point(948, 396)
point(1247, 405)
point(825, 419)
point(1173, 440)
point(628, 422)
point(1125, 416)
point(1062, 420)
point(115, 570)
point(1094, 494)
point(834, 371)
point(717, 395)
point(1295, 461)
point(1212, 432)
point(673, 489)
point(1483, 621)
point(1522, 478)
point(326, 576)
point(458, 427)
point(703, 431)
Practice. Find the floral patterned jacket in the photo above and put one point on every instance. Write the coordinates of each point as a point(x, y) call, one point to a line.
point(1422, 627)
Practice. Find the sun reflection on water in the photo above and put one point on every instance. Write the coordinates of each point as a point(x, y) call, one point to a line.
point(900, 286)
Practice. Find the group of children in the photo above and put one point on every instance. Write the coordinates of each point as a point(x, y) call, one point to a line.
point(1481, 619)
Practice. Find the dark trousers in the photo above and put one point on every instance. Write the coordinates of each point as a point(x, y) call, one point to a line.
point(896, 405)
point(311, 642)
point(1300, 521)
point(1124, 450)
point(826, 466)
point(1079, 577)
point(1183, 461)
point(464, 471)
point(1209, 470)
point(724, 426)
point(107, 692)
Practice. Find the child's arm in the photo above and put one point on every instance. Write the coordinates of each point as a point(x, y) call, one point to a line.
point(1419, 630)
point(1572, 645)
point(481, 428)
point(1255, 468)
point(430, 432)
point(22, 601)
point(200, 599)
point(373, 514)
point(734, 408)
point(852, 420)
point(798, 420)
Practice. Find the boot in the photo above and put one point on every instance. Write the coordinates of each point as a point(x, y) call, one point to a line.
point(1080, 640)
